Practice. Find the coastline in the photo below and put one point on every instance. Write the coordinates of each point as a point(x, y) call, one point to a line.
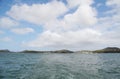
point(105, 50)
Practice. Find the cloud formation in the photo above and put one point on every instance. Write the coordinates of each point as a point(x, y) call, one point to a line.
point(64, 28)
point(65, 39)
point(22, 31)
point(38, 13)
point(45, 14)
point(6, 22)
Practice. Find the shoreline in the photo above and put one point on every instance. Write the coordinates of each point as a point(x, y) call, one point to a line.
point(105, 50)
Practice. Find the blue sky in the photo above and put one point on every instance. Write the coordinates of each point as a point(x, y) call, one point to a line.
point(59, 24)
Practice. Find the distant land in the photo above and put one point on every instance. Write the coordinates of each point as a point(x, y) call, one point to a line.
point(5, 50)
point(57, 51)
point(108, 50)
point(105, 50)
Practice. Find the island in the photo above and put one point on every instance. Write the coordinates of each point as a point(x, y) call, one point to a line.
point(4, 50)
point(108, 50)
point(57, 51)
point(63, 51)
point(105, 50)
point(32, 51)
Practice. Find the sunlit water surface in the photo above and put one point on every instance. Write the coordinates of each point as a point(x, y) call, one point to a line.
point(59, 66)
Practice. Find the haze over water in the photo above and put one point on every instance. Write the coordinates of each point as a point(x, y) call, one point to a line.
point(59, 66)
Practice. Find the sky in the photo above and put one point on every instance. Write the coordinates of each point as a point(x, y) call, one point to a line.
point(59, 24)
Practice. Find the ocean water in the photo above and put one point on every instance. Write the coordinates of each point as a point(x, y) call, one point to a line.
point(59, 66)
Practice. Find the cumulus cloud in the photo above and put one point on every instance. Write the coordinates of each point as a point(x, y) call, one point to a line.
point(109, 24)
point(59, 31)
point(111, 21)
point(38, 13)
point(74, 3)
point(85, 15)
point(22, 30)
point(47, 14)
point(65, 29)
point(6, 22)
point(113, 3)
point(66, 39)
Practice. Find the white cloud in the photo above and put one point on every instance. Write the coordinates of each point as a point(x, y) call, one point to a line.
point(85, 15)
point(48, 13)
point(5, 39)
point(74, 3)
point(111, 21)
point(22, 30)
point(113, 2)
point(6, 22)
point(37, 13)
point(59, 31)
point(115, 5)
point(109, 25)
point(66, 39)
point(65, 29)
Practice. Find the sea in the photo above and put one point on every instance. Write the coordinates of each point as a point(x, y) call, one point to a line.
point(59, 66)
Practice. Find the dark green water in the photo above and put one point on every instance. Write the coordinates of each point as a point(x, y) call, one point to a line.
point(59, 66)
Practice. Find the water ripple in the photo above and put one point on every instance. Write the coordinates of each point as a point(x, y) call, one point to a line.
point(59, 66)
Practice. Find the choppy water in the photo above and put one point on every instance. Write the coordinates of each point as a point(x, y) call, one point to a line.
point(59, 66)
